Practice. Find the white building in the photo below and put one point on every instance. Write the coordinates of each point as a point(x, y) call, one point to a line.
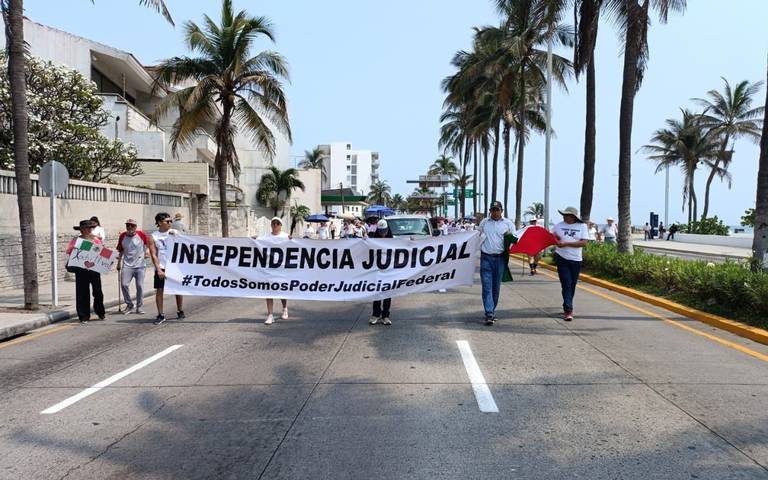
point(346, 167)
point(127, 88)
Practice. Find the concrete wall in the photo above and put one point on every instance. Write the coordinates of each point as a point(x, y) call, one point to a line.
point(311, 194)
point(175, 176)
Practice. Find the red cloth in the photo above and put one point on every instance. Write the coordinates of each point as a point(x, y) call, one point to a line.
point(533, 240)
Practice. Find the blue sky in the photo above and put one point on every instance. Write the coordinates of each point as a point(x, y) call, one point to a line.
point(369, 73)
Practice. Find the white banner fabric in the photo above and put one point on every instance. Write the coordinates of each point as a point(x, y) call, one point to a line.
point(329, 270)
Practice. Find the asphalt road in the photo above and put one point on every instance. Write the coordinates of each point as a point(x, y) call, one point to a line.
point(617, 394)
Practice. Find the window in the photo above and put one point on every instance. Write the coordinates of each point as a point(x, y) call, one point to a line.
point(349, 146)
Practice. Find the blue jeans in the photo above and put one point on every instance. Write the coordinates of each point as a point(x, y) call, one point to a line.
point(568, 271)
point(491, 271)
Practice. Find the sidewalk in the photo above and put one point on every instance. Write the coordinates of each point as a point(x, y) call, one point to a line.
point(15, 321)
point(694, 249)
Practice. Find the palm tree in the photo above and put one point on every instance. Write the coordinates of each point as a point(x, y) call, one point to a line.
point(760, 237)
point(443, 166)
point(461, 183)
point(314, 159)
point(397, 202)
point(633, 19)
point(587, 15)
point(298, 212)
point(535, 210)
point(730, 115)
point(232, 89)
point(379, 193)
point(276, 187)
point(684, 143)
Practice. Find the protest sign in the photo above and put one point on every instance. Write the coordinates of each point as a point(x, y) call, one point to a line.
point(332, 270)
point(91, 256)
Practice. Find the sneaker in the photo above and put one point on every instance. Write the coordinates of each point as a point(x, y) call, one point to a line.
point(83, 322)
point(284, 316)
point(270, 320)
point(568, 316)
point(373, 320)
point(180, 315)
point(139, 311)
point(160, 319)
point(102, 317)
point(127, 310)
point(386, 321)
point(489, 320)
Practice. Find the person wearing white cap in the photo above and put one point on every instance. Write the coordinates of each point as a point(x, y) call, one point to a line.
point(276, 233)
point(381, 307)
point(572, 236)
point(610, 231)
point(132, 248)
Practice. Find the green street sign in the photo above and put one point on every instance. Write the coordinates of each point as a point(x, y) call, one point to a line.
point(468, 193)
point(451, 203)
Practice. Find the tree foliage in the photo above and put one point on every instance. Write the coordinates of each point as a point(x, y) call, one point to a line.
point(277, 186)
point(748, 219)
point(65, 115)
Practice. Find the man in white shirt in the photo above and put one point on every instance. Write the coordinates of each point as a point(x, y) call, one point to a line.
point(572, 236)
point(276, 234)
point(610, 231)
point(492, 230)
point(309, 232)
point(158, 250)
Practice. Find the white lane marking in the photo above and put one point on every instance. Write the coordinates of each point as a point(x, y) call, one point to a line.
point(482, 392)
point(91, 390)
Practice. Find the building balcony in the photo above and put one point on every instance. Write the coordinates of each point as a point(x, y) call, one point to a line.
point(234, 194)
point(130, 125)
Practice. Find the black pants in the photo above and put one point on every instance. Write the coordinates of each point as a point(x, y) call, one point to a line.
point(378, 311)
point(84, 280)
point(568, 272)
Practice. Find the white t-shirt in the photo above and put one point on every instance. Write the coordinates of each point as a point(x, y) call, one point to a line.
point(161, 246)
point(570, 233)
point(610, 231)
point(309, 232)
point(271, 236)
point(359, 232)
point(593, 233)
point(100, 232)
point(322, 232)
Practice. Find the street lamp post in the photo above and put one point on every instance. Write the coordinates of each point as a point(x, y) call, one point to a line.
point(547, 146)
point(666, 198)
point(341, 190)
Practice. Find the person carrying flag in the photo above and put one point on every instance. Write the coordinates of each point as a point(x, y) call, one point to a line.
point(493, 257)
point(572, 236)
point(85, 280)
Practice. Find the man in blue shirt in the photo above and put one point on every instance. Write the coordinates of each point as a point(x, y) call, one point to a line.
point(492, 257)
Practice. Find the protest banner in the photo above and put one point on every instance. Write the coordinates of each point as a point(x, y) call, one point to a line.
point(91, 256)
point(330, 270)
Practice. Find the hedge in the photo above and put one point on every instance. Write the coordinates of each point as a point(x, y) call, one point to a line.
point(730, 289)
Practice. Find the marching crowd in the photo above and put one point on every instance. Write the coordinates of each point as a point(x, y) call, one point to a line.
point(134, 246)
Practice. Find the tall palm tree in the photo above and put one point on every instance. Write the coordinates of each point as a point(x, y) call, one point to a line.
point(684, 143)
point(535, 210)
point(587, 15)
point(276, 187)
point(760, 237)
point(730, 115)
point(633, 19)
point(314, 159)
point(233, 90)
point(397, 202)
point(443, 166)
point(379, 193)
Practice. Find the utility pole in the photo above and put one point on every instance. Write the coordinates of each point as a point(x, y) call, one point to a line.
point(341, 190)
point(547, 148)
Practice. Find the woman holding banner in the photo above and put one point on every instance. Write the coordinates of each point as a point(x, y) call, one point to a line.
point(381, 307)
point(85, 279)
point(277, 233)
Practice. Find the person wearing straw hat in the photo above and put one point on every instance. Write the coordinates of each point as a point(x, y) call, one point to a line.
point(572, 236)
point(87, 280)
point(178, 223)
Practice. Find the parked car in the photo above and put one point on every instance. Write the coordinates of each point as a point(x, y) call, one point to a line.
point(414, 226)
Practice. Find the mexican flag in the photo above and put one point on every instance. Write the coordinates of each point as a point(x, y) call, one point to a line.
point(532, 240)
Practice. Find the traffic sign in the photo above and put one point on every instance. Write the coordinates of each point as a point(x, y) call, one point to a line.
point(54, 178)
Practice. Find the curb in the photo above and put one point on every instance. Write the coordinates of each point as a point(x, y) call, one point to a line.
point(55, 316)
point(752, 333)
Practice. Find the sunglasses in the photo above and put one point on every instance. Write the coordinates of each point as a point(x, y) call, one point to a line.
point(168, 221)
point(495, 209)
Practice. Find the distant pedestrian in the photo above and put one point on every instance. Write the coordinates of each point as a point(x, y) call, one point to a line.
point(672, 232)
point(322, 231)
point(333, 230)
point(87, 281)
point(610, 231)
point(360, 231)
point(98, 230)
point(381, 307)
point(178, 223)
point(276, 234)
point(593, 233)
point(132, 247)
point(647, 231)
point(533, 262)
point(492, 257)
point(661, 230)
point(572, 236)
point(309, 232)
point(158, 250)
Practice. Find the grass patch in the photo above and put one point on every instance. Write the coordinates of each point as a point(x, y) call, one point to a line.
point(730, 290)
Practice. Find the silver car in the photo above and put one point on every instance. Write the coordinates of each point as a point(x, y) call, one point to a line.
point(414, 226)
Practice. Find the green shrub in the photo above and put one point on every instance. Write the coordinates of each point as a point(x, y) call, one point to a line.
point(730, 289)
point(708, 226)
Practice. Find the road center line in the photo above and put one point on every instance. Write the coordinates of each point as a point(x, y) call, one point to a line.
point(482, 392)
point(91, 390)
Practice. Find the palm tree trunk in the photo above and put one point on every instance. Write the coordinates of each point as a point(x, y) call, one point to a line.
point(760, 238)
point(635, 24)
point(519, 183)
point(506, 165)
point(467, 157)
point(14, 29)
point(223, 153)
point(711, 177)
point(590, 133)
point(694, 201)
point(485, 180)
point(495, 180)
point(474, 178)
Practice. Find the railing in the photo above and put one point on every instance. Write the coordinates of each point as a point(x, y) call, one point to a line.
point(100, 192)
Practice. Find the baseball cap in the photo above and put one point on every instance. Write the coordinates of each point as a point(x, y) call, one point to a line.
point(131, 221)
point(496, 204)
point(610, 219)
point(276, 219)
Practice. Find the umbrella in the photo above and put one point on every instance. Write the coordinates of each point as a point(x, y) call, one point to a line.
point(379, 211)
point(317, 218)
